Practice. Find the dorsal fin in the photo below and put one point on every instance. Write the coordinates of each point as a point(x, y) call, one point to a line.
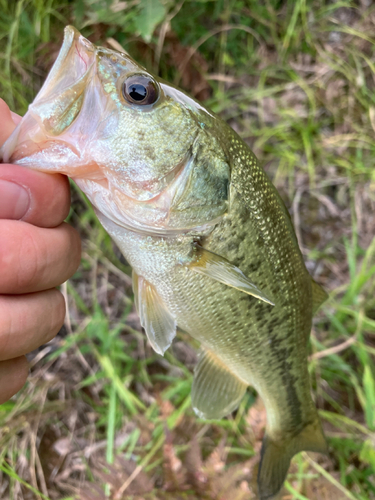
point(216, 390)
point(159, 324)
point(318, 296)
point(220, 269)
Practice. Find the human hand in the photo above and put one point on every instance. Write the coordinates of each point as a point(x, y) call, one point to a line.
point(38, 252)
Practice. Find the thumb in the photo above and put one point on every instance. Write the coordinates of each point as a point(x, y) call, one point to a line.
point(7, 123)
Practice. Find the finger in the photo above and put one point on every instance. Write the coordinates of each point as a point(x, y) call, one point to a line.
point(24, 324)
point(34, 258)
point(35, 197)
point(7, 124)
point(13, 375)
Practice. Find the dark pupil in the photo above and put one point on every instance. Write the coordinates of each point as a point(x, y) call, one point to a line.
point(137, 92)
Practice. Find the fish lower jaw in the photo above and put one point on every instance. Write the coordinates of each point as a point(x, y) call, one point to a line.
point(143, 217)
point(146, 228)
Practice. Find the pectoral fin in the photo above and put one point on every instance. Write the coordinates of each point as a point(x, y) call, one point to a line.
point(318, 296)
point(216, 391)
point(222, 270)
point(155, 318)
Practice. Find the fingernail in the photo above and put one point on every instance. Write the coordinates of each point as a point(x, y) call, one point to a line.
point(14, 200)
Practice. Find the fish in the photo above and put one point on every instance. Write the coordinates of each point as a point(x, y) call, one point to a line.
point(209, 239)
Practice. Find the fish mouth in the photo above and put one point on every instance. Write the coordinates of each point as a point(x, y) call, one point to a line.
point(75, 49)
point(56, 106)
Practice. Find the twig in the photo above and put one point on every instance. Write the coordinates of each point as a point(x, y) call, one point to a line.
point(165, 27)
point(116, 45)
point(137, 470)
point(127, 483)
point(64, 291)
point(328, 476)
point(333, 350)
point(296, 217)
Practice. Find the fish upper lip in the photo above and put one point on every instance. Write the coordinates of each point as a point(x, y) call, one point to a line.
point(77, 53)
point(71, 37)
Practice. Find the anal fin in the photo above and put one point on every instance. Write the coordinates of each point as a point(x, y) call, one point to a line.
point(159, 324)
point(319, 295)
point(220, 269)
point(216, 391)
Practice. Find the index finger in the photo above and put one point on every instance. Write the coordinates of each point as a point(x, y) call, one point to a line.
point(45, 199)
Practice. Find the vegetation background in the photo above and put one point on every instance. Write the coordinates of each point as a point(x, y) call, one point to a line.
point(102, 415)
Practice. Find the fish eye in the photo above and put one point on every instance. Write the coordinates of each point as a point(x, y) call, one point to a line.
point(140, 89)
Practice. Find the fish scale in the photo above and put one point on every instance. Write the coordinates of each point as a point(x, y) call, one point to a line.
point(209, 239)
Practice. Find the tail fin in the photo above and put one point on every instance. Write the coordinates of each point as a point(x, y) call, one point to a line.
point(276, 457)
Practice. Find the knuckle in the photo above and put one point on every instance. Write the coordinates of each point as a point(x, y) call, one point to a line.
point(23, 372)
point(77, 249)
point(73, 249)
point(59, 203)
point(14, 372)
point(6, 326)
point(58, 313)
point(30, 256)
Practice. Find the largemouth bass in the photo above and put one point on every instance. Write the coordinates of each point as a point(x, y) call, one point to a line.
point(209, 239)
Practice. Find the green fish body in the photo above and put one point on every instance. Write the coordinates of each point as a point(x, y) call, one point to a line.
point(209, 239)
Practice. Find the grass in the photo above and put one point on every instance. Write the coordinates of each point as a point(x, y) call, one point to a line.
point(102, 415)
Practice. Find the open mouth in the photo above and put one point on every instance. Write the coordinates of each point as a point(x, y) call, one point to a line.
point(75, 57)
point(57, 104)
